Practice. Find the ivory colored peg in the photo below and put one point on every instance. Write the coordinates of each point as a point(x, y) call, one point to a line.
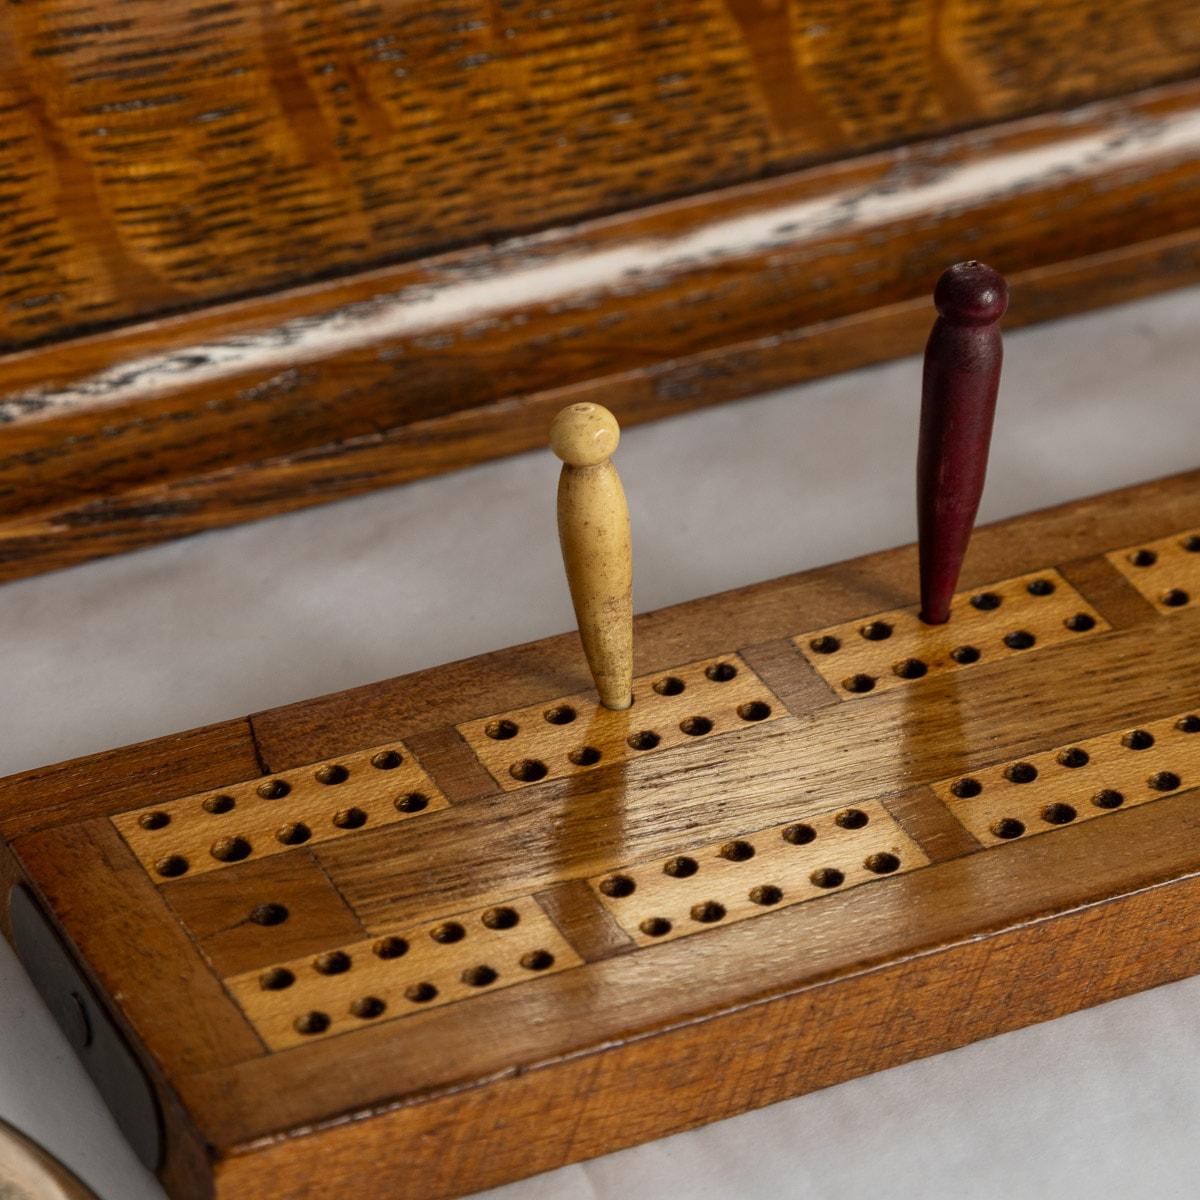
point(958, 402)
point(593, 529)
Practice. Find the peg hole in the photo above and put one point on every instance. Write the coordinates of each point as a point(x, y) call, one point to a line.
point(966, 788)
point(1191, 543)
point(882, 863)
point(644, 739)
point(412, 802)
point(229, 850)
point(1074, 758)
point(218, 805)
point(876, 631)
point(332, 773)
point(827, 877)
point(859, 684)
point(585, 756)
point(154, 820)
point(501, 917)
point(708, 912)
point(1188, 724)
point(276, 979)
point(851, 818)
point(172, 866)
point(501, 730)
point(754, 710)
point(986, 601)
point(738, 850)
point(311, 1023)
point(268, 914)
point(528, 770)
point(766, 894)
point(1021, 772)
point(1058, 814)
point(295, 833)
point(617, 887)
point(1019, 639)
point(273, 789)
point(721, 672)
point(669, 685)
point(681, 867)
point(825, 645)
point(655, 926)
point(350, 818)
point(1138, 739)
point(1175, 598)
point(1108, 798)
point(1080, 622)
point(479, 977)
point(1008, 828)
point(390, 947)
point(696, 726)
point(335, 962)
point(387, 760)
point(560, 714)
point(1040, 587)
point(420, 993)
point(447, 933)
point(1164, 781)
point(537, 960)
point(367, 1007)
point(910, 668)
point(799, 834)
point(1143, 558)
point(965, 655)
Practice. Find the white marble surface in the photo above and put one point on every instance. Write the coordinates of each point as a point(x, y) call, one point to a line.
point(1103, 1103)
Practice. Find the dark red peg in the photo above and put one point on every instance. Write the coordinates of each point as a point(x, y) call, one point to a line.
point(958, 402)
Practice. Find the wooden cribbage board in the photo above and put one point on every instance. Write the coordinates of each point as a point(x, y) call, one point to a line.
point(444, 931)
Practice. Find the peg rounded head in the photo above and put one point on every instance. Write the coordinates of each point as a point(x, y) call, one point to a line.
point(971, 293)
point(584, 435)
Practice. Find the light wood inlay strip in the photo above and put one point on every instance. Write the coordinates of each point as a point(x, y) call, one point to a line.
point(276, 813)
point(1165, 572)
point(738, 878)
point(403, 972)
point(1077, 782)
point(988, 624)
point(575, 734)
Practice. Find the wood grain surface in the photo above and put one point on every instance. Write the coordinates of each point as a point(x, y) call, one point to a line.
point(916, 929)
point(257, 405)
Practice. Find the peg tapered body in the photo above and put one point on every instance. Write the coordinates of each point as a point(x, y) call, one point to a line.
point(593, 529)
point(958, 404)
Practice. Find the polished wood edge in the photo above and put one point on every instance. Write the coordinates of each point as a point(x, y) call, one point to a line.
point(345, 450)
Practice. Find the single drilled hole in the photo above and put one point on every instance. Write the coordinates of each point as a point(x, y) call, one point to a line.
point(827, 877)
point(799, 834)
point(966, 788)
point(537, 960)
point(1058, 814)
point(560, 714)
point(1008, 828)
point(1164, 781)
point(217, 805)
point(859, 683)
point(273, 789)
point(737, 851)
point(501, 917)
point(876, 631)
point(911, 668)
point(1108, 798)
point(1188, 724)
point(1175, 598)
point(1019, 639)
point(755, 710)
point(154, 820)
point(825, 645)
point(447, 933)
point(276, 979)
point(617, 887)
point(680, 867)
point(1021, 772)
point(295, 833)
point(766, 894)
point(851, 818)
point(696, 726)
point(312, 1022)
point(335, 962)
point(171, 866)
point(1191, 543)
point(268, 914)
point(585, 756)
point(1040, 587)
point(707, 912)
point(655, 926)
point(528, 770)
point(1080, 622)
point(721, 672)
point(412, 802)
point(1143, 558)
point(420, 993)
point(965, 655)
point(367, 1007)
point(1138, 739)
point(479, 976)
point(332, 773)
point(229, 850)
point(390, 947)
point(882, 863)
point(1074, 757)
point(387, 760)
point(644, 739)
point(350, 818)
point(986, 601)
point(502, 730)
point(669, 685)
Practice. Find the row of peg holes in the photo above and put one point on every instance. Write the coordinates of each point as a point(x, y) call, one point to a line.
point(338, 962)
point(1072, 759)
point(1172, 597)
point(709, 912)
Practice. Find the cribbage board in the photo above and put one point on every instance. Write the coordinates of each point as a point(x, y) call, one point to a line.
point(445, 931)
